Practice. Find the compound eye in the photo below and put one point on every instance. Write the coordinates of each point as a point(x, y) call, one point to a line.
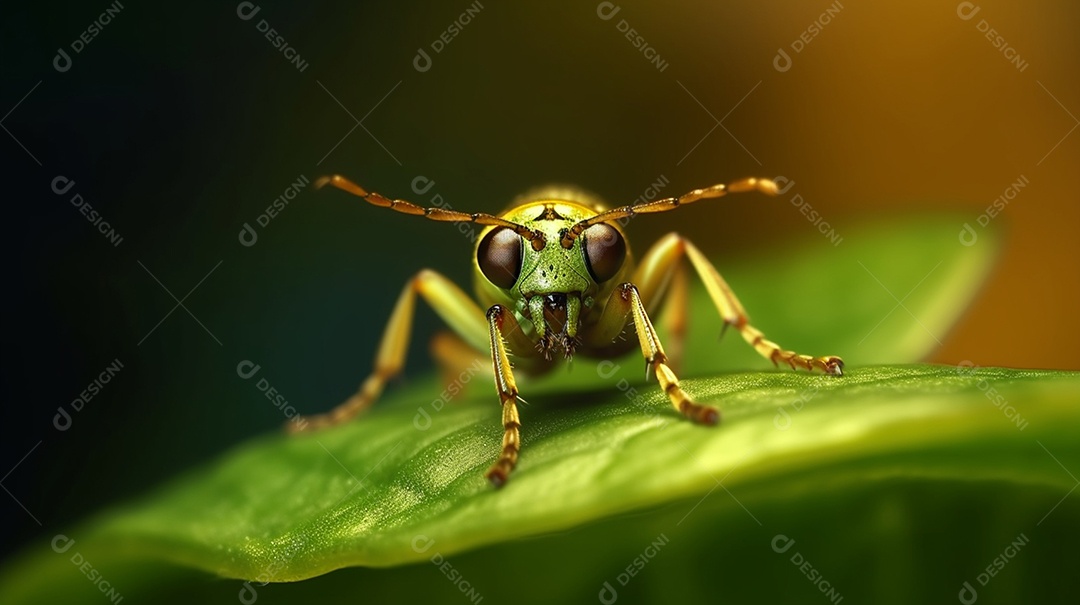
point(499, 257)
point(605, 251)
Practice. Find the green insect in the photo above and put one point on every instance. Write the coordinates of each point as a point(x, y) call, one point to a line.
point(557, 278)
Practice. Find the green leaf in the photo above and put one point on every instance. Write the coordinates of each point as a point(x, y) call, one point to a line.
point(287, 509)
point(597, 447)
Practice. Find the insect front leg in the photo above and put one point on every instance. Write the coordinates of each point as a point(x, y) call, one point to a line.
point(448, 301)
point(501, 321)
point(669, 251)
point(625, 301)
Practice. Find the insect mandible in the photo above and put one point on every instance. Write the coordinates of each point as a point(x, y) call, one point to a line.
point(557, 278)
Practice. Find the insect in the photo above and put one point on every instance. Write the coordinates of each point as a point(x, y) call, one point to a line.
point(556, 277)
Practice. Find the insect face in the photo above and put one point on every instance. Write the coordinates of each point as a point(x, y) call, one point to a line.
point(553, 286)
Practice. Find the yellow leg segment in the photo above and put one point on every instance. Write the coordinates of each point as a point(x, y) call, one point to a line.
point(452, 305)
point(626, 301)
point(500, 322)
point(657, 264)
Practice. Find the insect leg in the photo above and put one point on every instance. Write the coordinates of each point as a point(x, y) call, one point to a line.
point(452, 305)
point(670, 249)
point(626, 300)
point(500, 322)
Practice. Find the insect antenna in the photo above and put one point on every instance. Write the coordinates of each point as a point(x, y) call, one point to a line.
point(444, 215)
point(664, 205)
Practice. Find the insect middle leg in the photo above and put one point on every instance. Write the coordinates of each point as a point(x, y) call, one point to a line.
point(449, 302)
point(667, 252)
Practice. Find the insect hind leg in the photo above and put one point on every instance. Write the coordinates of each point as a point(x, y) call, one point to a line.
point(672, 247)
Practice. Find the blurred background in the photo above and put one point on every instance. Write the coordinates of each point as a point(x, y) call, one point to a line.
point(179, 125)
